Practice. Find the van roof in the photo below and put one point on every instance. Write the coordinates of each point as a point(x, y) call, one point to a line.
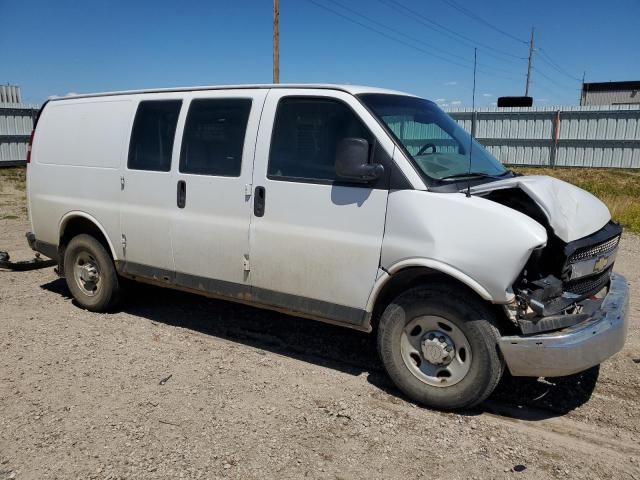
point(352, 89)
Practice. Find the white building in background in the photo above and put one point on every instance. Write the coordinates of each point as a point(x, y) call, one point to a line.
point(610, 93)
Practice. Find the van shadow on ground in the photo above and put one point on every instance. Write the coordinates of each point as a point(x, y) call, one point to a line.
point(338, 348)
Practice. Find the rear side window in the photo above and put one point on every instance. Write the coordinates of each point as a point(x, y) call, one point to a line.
point(213, 137)
point(306, 134)
point(154, 129)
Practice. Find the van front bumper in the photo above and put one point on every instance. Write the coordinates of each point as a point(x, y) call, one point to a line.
point(576, 348)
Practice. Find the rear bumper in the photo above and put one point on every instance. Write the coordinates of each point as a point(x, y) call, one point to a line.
point(47, 249)
point(575, 348)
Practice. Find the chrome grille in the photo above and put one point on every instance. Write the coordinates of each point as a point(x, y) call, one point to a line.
point(590, 285)
point(586, 253)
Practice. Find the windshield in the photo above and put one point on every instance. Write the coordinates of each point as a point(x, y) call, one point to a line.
point(438, 145)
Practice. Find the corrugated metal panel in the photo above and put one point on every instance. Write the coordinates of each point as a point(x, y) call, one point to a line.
point(588, 136)
point(16, 123)
point(12, 152)
point(10, 94)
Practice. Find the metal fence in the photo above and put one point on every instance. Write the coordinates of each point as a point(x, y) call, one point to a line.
point(604, 136)
point(16, 122)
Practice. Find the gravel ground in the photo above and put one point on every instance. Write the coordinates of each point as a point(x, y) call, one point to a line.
point(179, 386)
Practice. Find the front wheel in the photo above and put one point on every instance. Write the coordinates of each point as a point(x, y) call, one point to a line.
point(439, 345)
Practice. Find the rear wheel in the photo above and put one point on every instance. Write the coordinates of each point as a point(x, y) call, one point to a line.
point(90, 274)
point(439, 346)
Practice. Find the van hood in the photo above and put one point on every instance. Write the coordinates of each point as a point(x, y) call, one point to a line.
point(572, 212)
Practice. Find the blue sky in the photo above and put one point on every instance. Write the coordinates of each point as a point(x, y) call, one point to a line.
point(57, 47)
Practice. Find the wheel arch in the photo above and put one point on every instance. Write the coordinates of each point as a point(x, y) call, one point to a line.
point(75, 223)
point(410, 273)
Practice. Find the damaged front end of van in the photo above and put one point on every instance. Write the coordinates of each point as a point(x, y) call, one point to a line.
point(541, 248)
point(569, 306)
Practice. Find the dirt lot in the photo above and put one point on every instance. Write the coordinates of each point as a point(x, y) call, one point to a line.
point(179, 386)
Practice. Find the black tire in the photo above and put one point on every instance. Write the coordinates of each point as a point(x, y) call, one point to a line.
point(107, 292)
point(472, 317)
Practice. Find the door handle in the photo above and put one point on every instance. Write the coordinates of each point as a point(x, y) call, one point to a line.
point(258, 202)
point(182, 193)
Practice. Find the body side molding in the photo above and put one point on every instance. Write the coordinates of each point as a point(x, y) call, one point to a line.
point(242, 293)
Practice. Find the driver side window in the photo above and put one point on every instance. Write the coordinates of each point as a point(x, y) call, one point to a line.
point(306, 133)
point(416, 136)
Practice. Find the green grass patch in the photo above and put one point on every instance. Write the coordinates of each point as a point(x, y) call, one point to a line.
point(619, 189)
point(16, 177)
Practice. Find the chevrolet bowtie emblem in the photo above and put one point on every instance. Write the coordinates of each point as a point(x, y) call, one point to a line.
point(600, 264)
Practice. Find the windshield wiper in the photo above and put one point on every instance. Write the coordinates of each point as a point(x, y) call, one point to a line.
point(474, 175)
point(468, 174)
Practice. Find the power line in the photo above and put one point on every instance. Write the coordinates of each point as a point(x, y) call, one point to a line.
point(397, 32)
point(403, 42)
point(539, 86)
point(390, 37)
point(432, 24)
point(557, 84)
point(411, 38)
point(503, 77)
point(547, 59)
point(470, 14)
point(464, 39)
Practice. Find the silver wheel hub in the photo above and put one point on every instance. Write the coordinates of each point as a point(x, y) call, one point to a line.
point(435, 350)
point(86, 273)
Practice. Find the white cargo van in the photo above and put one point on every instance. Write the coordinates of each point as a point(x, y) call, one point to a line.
point(356, 206)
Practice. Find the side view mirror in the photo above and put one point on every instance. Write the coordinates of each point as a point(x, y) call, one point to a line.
point(352, 161)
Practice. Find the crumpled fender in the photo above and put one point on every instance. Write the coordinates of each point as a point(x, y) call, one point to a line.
point(485, 242)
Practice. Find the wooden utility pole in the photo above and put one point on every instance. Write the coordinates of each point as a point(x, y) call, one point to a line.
point(276, 41)
point(582, 96)
point(526, 89)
